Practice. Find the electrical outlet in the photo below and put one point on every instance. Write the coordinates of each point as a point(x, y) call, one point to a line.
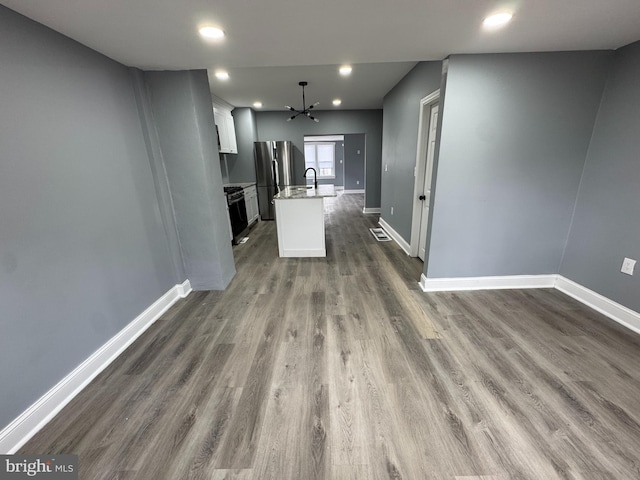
point(385, 167)
point(358, 152)
point(391, 210)
point(357, 182)
point(628, 264)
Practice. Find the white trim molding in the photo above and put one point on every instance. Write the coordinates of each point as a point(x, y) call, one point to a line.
point(621, 314)
point(20, 430)
point(615, 311)
point(298, 253)
point(183, 289)
point(220, 103)
point(395, 235)
point(347, 192)
point(486, 283)
point(424, 121)
point(369, 210)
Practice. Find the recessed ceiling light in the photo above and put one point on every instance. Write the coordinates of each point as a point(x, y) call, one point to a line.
point(345, 70)
point(337, 102)
point(222, 75)
point(257, 104)
point(497, 20)
point(211, 32)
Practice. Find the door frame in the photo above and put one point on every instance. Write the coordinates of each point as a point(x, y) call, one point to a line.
point(419, 170)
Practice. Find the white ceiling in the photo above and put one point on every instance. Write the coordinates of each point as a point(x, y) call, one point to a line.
point(381, 38)
point(278, 86)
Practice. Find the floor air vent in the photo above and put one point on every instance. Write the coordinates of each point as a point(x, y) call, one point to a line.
point(380, 234)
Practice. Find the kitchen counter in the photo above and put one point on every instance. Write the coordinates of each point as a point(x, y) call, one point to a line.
point(295, 192)
point(241, 185)
point(300, 220)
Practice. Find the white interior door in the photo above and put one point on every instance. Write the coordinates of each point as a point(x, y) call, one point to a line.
point(425, 196)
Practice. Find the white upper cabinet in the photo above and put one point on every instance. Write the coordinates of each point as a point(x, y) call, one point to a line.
point(221, 131)
point(231, 133)
point(226, 129)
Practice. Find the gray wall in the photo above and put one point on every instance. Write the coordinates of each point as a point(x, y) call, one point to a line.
point(83, 250)
point(606, 223)
point(515, 132)
point(400, 140)
point(181, 104)
point(354, 155)
point(273, 126)
point(224, 169)
point(158, 170)
point(241, 166)
point(339, 163)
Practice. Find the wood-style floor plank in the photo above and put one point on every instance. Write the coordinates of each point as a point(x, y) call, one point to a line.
point(341, 368)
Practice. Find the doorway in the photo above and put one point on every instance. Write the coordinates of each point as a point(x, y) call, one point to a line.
point(427, 128)
point(325, 153)
point(340, 160)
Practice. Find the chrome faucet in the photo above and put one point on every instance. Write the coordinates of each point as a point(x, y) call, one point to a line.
point(315, 176)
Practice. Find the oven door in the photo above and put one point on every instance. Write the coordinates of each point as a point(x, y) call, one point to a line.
point(238, 215)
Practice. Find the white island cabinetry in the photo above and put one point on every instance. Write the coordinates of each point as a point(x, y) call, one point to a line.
point(300, 220)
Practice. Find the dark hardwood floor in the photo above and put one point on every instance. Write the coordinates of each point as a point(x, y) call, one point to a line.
point(341, 368)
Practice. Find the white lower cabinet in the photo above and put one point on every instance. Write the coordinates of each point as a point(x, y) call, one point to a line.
point(251, 201)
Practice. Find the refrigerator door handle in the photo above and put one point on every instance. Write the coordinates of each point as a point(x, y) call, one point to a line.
point(276, 178)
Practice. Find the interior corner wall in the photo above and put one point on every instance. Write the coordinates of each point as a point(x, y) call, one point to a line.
point(400, 142)
point(514, 137)
point(181, 104)
point(606, 222)
point(273, 126)
point(242, 166)
point(339, 163)
point(354, 161)
point(83, 249)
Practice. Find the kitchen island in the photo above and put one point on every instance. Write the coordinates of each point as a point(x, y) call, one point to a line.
point(300, 220)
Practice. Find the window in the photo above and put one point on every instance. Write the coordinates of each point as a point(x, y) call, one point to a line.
point(322, 157)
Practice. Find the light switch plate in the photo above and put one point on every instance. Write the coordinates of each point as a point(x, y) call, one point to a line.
point(628, 264)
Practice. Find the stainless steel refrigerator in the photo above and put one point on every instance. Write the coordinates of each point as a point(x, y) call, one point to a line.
point(274, 171)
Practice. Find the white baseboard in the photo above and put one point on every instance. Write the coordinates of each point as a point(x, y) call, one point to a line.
point(183, 290)
point(615, 311)
point(20, 430)
point(297, 253)
point(395, 235)
point(353, 191)
point(366, 210)
point(621, 314)
point(486, 283)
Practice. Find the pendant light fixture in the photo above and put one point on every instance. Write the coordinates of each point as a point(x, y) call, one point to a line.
point(306, 111)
